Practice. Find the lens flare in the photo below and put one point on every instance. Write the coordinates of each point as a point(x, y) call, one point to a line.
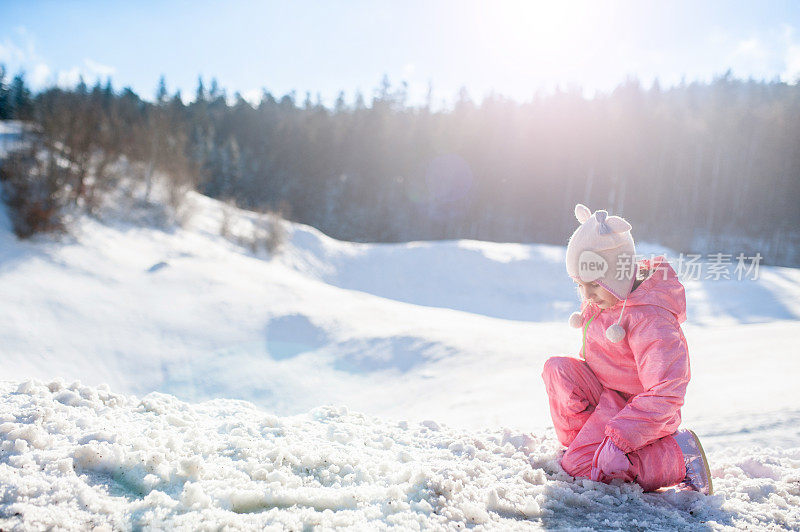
point(449, 185)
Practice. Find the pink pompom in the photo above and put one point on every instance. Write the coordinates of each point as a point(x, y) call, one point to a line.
point(615, 333)
point(575, 320)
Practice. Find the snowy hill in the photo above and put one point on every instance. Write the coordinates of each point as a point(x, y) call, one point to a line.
point(455, 332)
point(401, 330)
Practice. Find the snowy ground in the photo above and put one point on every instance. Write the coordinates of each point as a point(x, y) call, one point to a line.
point(85, 457)
point(455, 332)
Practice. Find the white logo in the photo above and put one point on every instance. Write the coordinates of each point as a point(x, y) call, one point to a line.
point(591, 266)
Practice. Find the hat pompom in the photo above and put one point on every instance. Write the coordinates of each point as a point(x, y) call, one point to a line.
point(615, 333)
point(575, 320)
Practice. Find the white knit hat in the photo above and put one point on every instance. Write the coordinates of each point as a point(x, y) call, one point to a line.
point(601, 250)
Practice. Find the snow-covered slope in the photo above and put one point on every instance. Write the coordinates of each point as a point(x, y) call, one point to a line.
point(455, 332)
point(404, 330)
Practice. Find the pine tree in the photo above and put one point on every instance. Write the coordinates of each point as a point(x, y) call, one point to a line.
point(5, 108)
point(19, 99)
point(340, 106)
point(200, 94)
point(161, 92)
point(81, 88)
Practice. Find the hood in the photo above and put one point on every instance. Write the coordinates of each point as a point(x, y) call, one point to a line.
point(662, 288)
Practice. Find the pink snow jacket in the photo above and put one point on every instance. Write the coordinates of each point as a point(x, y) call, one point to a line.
point(650, 366)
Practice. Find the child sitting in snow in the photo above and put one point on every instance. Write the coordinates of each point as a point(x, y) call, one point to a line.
point(617, 410)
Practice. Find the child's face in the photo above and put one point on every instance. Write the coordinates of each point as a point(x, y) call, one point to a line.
point(596, 294)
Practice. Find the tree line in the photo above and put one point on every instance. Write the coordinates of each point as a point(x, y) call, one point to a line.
point(696, 166)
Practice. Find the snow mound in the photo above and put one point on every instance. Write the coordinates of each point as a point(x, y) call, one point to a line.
point(525, 282)
point(76, 457)
point(498, 280)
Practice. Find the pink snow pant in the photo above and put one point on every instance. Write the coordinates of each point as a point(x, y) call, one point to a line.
point(581, 408)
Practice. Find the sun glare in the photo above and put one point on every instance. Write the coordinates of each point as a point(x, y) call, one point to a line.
point(539, 41)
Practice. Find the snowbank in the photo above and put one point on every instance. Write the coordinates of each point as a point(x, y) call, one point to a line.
point(77, 457)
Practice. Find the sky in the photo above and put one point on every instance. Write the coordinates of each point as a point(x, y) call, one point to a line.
point(510, 47)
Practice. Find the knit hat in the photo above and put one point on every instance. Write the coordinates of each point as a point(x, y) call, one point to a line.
point(601, 250)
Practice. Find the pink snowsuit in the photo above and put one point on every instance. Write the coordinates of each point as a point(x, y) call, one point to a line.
point(631, 391)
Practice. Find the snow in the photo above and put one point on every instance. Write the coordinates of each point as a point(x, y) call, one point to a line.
point(206, 369)
point(190, 313)
point(84, 456)
point(10, 133)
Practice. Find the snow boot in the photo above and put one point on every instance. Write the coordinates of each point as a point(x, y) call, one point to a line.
point(698, 474)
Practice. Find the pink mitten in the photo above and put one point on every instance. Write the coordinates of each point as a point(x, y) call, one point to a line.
point(609, 460)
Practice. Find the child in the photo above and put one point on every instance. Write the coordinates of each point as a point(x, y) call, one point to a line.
point(618, 409)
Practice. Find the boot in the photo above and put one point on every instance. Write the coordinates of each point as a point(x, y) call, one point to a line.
point(698, 474)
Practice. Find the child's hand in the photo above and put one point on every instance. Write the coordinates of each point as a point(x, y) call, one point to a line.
point(609, 460)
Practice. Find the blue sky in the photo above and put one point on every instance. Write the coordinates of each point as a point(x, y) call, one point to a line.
point(511, 47)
